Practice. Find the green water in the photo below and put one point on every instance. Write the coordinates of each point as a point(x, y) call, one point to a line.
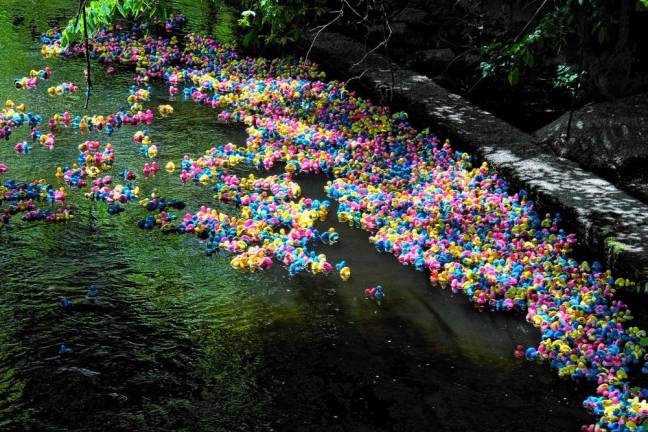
point(181, 341)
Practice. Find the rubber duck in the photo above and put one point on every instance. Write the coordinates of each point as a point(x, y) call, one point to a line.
point(165, 110)
point(345, 273)
point(64, 303)
point(65, 350)
point(92, 293)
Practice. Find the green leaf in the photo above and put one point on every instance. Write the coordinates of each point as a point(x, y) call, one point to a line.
point(527, 57)
point(644, 342)
point(65, 39)
point(106, 10)
point(120, 8)
point(514, 76)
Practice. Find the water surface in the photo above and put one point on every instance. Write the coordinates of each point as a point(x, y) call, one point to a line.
point(181, 341)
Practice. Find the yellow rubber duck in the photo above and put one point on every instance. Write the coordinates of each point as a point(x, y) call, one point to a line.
point(165, 110)
point(345, 273)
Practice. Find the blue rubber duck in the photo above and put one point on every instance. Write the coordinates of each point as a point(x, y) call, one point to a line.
point(64, 349)
point(65, 303)
point(114, 209)
point(93, 292)
point(379, 294)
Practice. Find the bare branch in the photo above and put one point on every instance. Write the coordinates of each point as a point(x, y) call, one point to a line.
point(339, 15)
point(374, 49)
point(458, 57)
point(526, 26)
point(76, 20)
point(87, 54)
point(475, 85)
point(357, 77)
point(345, 2)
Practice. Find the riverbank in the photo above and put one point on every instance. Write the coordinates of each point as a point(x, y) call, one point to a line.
point(611, 223)
point(178, 340)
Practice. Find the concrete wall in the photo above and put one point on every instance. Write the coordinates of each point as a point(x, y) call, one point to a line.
point(610, 224)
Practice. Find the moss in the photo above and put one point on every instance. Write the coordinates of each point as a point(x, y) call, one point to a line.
point(614, 247)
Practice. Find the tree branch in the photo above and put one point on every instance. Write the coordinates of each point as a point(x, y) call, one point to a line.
point(526, 26)
point(339, 15)
point(357, 77)
point(87, 54)
point(374, 49)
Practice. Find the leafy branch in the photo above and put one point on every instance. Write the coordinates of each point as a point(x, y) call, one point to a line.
point(102, 13)
point(595, 24)
point(271, 22)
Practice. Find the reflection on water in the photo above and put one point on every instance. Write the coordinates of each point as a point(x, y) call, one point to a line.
point(180, 341)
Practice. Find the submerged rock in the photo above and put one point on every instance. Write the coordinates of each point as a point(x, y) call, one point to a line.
point(78, 372)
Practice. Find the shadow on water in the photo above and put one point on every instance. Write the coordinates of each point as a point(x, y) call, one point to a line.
point(180, 341)
point(422, 359)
